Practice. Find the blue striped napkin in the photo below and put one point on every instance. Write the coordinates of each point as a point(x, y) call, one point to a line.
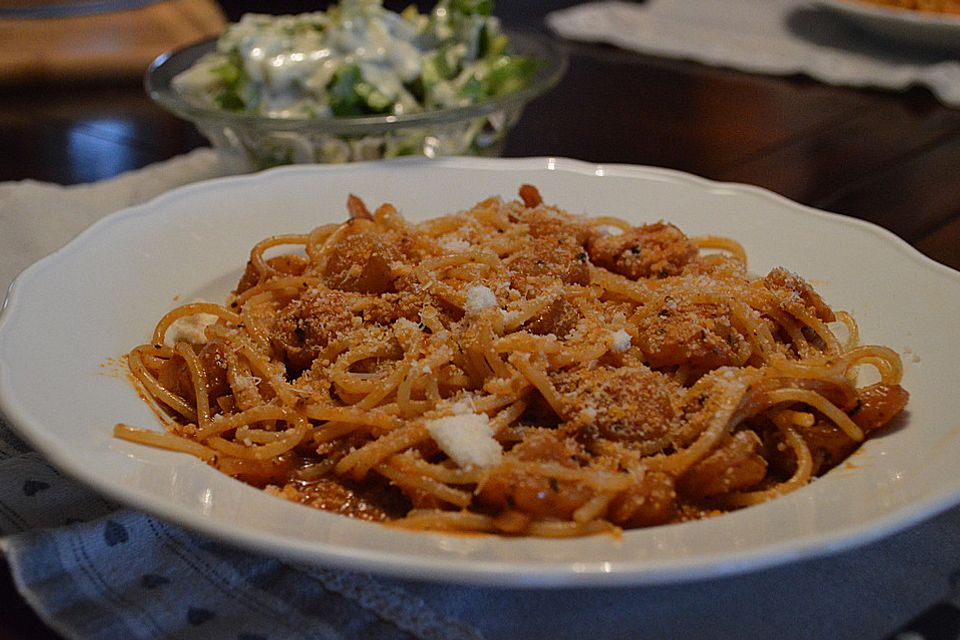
point(95, 571)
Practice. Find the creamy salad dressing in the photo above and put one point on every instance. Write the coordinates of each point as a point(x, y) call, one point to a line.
point(357, 58)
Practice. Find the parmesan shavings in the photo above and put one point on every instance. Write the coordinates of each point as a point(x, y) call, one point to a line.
point(479, 298)
point(620, 341)
point(455, 245)
point(467, 438)
point(189, 329)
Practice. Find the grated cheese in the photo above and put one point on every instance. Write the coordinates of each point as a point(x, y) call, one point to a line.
point(189, 329)
point(479, 298)
point(455, 245)
point(621, 341)
point(467, 438)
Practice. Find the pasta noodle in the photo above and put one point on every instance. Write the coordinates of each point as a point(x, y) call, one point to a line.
point(514, 369)
point(933, 6)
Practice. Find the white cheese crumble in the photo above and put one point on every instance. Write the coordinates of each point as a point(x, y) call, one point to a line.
point(407, 333)
point(455, 245)
point(620, 341)
point(189, 329)
point(509, 316)
point(463, 405)
point(402, 324)
point(479, 298)
point(467, 438)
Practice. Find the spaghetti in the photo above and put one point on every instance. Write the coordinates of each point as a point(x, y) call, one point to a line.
point(513, 369)
point(931, 6)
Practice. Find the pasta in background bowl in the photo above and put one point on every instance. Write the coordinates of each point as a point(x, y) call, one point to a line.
point(906, 474)
point(937, 32)
point(931, 6)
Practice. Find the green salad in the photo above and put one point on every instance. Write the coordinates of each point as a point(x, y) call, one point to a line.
point(358, 58)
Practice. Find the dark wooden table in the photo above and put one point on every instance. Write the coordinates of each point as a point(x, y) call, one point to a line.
point(890, 158)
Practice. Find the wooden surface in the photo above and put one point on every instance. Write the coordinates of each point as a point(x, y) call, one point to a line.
point(101, 46)
point(890, 158)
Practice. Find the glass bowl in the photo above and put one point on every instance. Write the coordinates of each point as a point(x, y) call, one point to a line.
point(256, 142)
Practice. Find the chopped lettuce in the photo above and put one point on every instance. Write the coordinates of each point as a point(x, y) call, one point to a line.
point(358, 58)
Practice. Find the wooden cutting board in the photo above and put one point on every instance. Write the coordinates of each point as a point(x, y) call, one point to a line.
point(118, 44)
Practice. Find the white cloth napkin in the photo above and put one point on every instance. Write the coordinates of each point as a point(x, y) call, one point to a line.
point(37, 218)
point(94, 570)
point(778, 37)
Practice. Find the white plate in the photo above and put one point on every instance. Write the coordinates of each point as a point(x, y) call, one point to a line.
point(72, 312)
point(922, 28)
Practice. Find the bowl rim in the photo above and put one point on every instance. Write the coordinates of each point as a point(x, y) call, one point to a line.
point(158, 76)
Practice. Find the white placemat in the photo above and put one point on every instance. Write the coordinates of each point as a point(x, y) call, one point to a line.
point(97, 571)
point(779, 37)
